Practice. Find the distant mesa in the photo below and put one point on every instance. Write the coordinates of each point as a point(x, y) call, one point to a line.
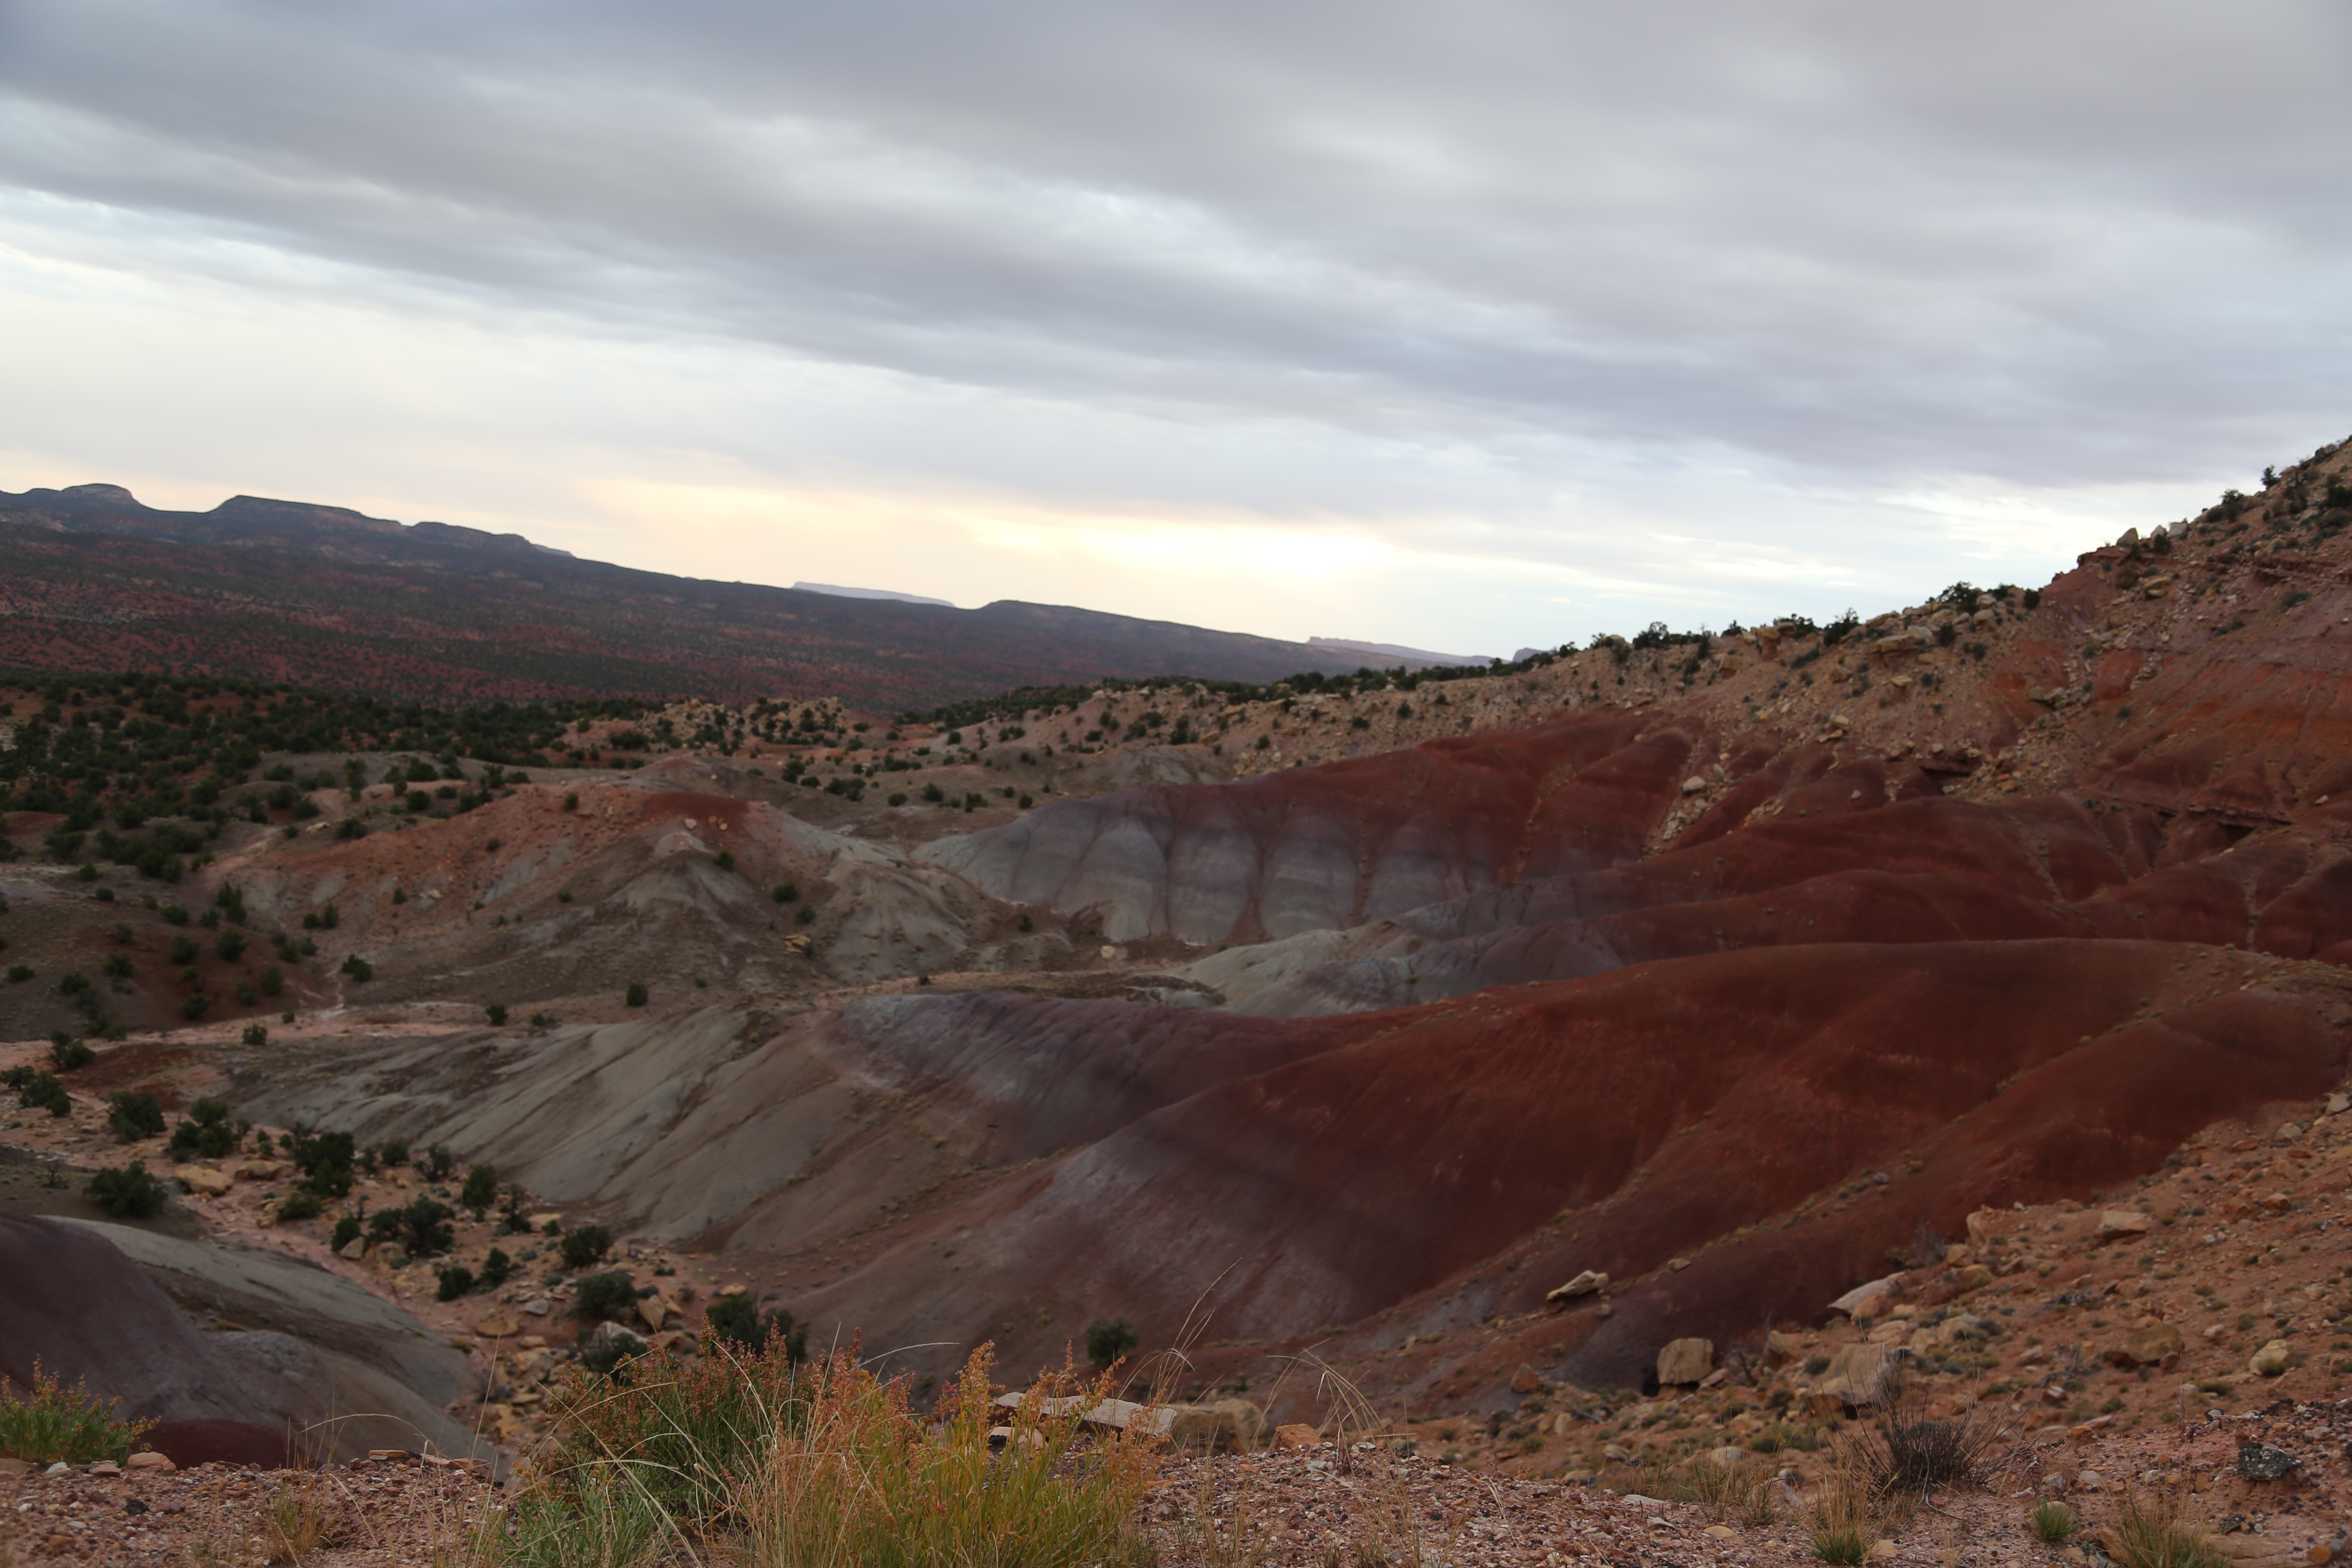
point(840, 593)
point(1393, 650)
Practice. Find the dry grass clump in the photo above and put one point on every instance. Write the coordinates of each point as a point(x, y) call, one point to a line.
point(300, 1518)
point(2158, 1532)
point(2053, 1521)
point(862, 1480)
point(767, 1464)
point(1906, 1452)
point(1842, 1523)
point(1742, 1491)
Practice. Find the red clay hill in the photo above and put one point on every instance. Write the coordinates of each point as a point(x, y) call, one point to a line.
point(1724, 968)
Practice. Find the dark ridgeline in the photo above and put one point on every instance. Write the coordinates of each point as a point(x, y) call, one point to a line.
point(271, 589)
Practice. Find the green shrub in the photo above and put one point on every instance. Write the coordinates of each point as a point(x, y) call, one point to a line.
point(423, 1226)
point(438, 1163)
point(724, 859)
point(584, 1247)
point(325, 1160)
point(1109, 1340)
point(611, 1295)
point(19, 972)
point(208, 1136)
point(358, 968)
point(255, 1035)
point(129, 1193)
point(637, 994)
point(42, 1092)
point(497, 1014)
point(273, 980)
point(393, 1152)
point(455, 1281)
point(480, 1191)
point(347, 1231)
point(133, 1114)
point(2053, 1521)
point(737, 1320)
point(184, 949)
point(51, 1425)
point(497, 1267)
point(68, 1054)
point(195, 1006)
point(230, 945)
point(301, 1203)
point(785, 893)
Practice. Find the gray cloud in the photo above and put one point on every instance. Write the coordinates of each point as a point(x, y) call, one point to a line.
point(1849, 245)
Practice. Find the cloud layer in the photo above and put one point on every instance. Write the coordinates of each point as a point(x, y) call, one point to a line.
point(1466, 325)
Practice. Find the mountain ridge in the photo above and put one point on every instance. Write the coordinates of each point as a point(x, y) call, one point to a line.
point(329, 596)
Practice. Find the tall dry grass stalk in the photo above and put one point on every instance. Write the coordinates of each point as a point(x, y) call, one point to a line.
point(2158, 1530)
point(861, 1482)
point(299, 1519)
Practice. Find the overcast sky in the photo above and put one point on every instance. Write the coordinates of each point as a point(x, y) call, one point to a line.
point(1469, 325)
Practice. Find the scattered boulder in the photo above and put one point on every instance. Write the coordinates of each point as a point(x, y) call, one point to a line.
point(203, 1180)
point(1589, 1282)
point(1527, 1380)
point(627, 1340)
point(2114, 1223)
point(1684, 1361)
point(1295, 1436)
point(2272, 1359)
point(1226, 1426)
point(499, 1328)
point(2260, 1462)
point(2152, 1346)
point(1864, 1301)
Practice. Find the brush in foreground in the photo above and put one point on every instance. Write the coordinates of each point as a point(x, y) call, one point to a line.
point(2158, 1532)
point(53, 1423)
point(821, 1465)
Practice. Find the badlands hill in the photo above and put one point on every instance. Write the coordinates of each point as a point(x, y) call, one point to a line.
point(95, 582)
point(1367, 1017)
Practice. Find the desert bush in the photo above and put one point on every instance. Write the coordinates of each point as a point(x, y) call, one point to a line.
point(1905, 1451)
point(2158, 1532)
point(208, 1136)
point(42, 1092)
point(637, 994)
point(584, 1247)
point(300, 1204)
point(737, 1320)
point(127, 1193)
point(423, 1226)
point(255, 1035)
point(347, 1231)
point(496, 1266)
point(612, 1295)
point(68, 1054)
point(438, 1164)
point(1109, 1340)
point(785, 893)
point(393, 1152)
point(2053, 1521)
point(50, 1423)
point(480, 1191)
point(455, 1281)
point(133, 1114)
point(497, 1014)
point(325, 1161)
point(184, 949)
